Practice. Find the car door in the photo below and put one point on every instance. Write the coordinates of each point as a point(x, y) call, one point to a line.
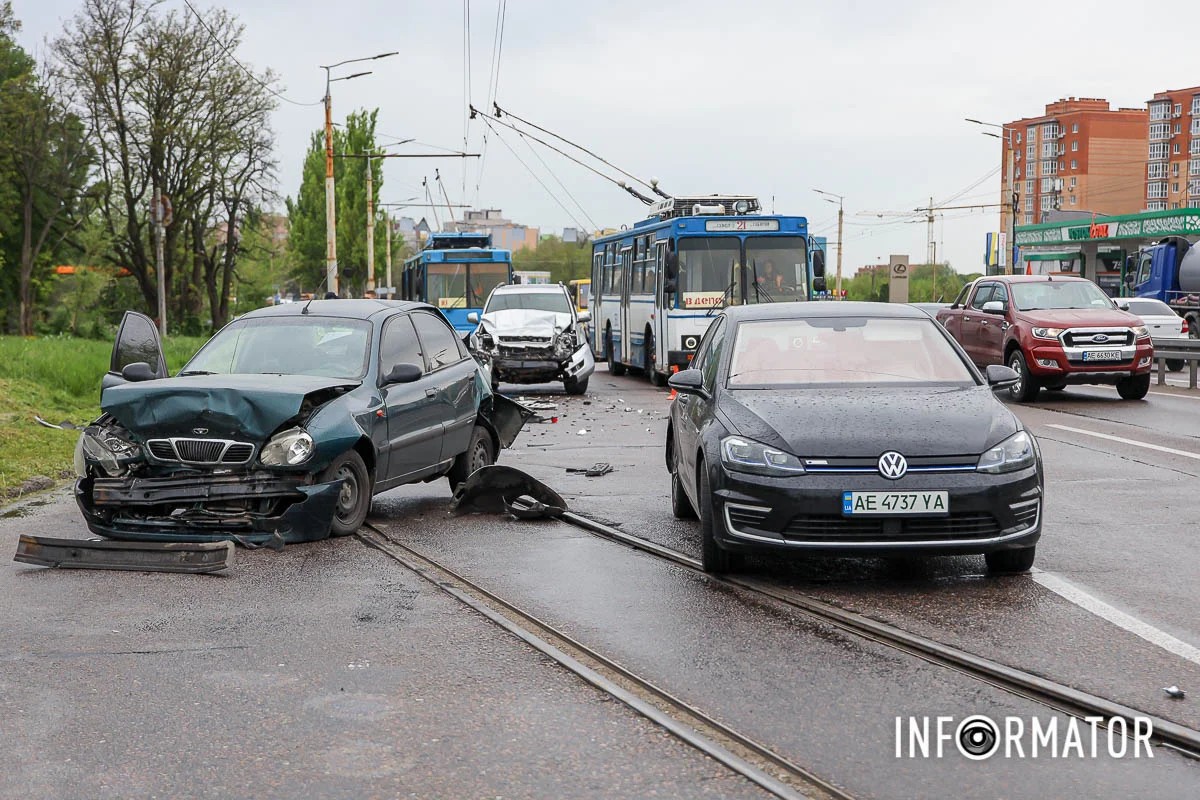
point(989, 335)
point(972, 316)
point(137, 341)
point(453, 381)
point(951, 318)
point(414, 419)
point(694, 409)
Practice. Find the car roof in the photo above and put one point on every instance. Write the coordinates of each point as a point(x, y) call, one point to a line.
point(819, 309)
point(513, 288)
point(1035, 278)
point(352, 309)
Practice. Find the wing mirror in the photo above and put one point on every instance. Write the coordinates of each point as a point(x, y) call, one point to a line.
point(138, 371)
point(473, 318)
point(1000, 376)
point(994, 307)
point(584, 316)
point(819, 265)
point(403, 373)
point(688, 381)
point(819, 284)
point(1122, 304)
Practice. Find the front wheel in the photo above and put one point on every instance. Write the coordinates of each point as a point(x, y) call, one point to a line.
point(1134, 387)
point(480, 452)
point(614, 368)
point(575, 385)
point(354, 498)
point(1009, 561)
point(1026, 387)
point(681, 507)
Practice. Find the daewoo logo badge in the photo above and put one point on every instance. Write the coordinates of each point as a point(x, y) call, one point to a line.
point(1100, 338)
point(199, 431)
point(892, 465)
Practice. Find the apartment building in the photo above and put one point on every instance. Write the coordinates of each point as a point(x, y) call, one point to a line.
point(506, 234)
point(1081, 154)
point(1173, 150)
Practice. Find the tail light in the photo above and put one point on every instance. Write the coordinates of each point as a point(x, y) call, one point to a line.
point(1184, 327)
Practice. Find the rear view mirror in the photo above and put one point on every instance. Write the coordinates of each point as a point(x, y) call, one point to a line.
point(994, 307)
point(688, 381)
point(584, 316)
point(138, 371)
point(818, 265)
point(403, 373)
point(1122, 303)
point(1000, 376)
point(473, 318)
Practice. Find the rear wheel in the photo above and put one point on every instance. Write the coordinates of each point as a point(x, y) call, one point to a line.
point(1134, 387)
point(1008, 561)
point(575, 386)
point(713, 559)
point(656, 377)
point(481, 452)
point(354, 497)
point(1026, 387)
point(614, 368)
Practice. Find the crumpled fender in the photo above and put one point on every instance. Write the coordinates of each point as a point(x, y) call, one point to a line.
point(498, 488)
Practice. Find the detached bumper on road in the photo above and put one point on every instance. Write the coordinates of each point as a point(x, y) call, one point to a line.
point(986, 513)
point(251, 509)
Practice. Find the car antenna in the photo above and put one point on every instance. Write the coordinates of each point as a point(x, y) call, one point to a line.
point(306, 305)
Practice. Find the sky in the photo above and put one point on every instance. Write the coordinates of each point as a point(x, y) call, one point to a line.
point(773, 98)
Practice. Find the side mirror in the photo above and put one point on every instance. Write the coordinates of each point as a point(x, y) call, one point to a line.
point(403, 373)
point(584, 316)
point(473, 318)
point(1000, 376)
point(819, 284)
point(688, 381)
point(138, 371)
point(818, 266)
point(1130, 277)
point(994, 307)
point(1122, 303)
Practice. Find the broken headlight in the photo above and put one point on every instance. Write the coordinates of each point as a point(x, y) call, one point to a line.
point(564, 344)
point(288, 449)
point(105, 449)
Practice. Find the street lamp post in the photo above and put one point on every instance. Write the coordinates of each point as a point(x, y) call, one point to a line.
point(331, 267)
point(841, 210)
point(1007, 262)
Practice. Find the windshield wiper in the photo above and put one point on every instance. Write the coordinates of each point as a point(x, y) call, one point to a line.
point(195, 372)
point(724, 297)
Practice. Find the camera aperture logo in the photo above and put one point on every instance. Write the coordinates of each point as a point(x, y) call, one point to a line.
point(979, 737)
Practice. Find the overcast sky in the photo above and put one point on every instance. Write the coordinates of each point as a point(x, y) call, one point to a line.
point(765, 97)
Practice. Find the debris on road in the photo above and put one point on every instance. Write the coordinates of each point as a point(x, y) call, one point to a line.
point(547, 420)
point(497, 489)
point(45, 551)
point(1174, 692)
point(594, 471)
point(62, 426)
point(583, 431)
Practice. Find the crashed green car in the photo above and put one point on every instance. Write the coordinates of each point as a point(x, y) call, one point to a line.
point(285, 424)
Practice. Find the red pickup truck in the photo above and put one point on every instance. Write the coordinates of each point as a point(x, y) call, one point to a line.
point(1054, 331)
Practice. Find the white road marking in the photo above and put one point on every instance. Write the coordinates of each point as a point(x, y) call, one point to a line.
point(1069, 591)
point(1123, 440)
point(1180, 396)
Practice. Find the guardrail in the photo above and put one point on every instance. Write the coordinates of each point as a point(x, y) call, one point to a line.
point(1177, 350)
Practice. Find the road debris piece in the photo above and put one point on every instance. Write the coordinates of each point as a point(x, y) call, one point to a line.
point(47, 551)
point(539, 405)
point(594, 471)
point(497, 489)
point(547, 420)
point(1174, 692)
point(583, 431)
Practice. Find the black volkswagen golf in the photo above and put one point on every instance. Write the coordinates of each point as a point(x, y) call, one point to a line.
point(852, 428)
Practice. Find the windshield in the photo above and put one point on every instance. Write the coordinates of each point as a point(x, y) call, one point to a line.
point(844, 350)
point(1150, 308)
point(484, 278)
point(779, 268)
point(328, 346)
point(448, 283)
point(1058, 294)
point(706, 274)
point(534, 301)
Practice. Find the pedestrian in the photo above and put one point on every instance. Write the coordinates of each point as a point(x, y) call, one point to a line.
point(369, 294)
point(331, 295)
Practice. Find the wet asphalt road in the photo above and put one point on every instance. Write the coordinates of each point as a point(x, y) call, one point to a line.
point(329, 671)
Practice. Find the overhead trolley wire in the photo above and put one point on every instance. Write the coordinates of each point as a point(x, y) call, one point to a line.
point(535, 176)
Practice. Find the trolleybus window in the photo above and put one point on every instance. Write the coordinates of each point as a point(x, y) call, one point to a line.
point(447, 287)
point(706, 269)
point(779, 267)
point(484, 278)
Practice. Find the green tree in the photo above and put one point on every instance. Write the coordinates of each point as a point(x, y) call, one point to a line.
point(565, 261)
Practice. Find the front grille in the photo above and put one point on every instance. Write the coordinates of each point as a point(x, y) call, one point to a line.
point(1117, 337)
point(531, 339)
point(528, 353)
point(201, 451)
point(834, 528)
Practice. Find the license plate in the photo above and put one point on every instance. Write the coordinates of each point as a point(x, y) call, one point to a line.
point(856, 503)
point(1102, 355)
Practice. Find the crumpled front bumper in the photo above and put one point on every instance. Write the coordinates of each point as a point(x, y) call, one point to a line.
point(541, 365)
point(189, 509)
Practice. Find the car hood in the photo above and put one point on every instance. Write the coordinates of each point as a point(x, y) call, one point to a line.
point(1079, 318)
point(243, 407)
point(525, 322)
point(866, 422)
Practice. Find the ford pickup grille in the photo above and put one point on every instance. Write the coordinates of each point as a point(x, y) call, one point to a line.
point(1096, 337)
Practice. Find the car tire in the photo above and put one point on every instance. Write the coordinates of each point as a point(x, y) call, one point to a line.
point(1026, 388)
point(656, 378)
point(681, 506)
point(1134, 387)
point(354, 499)
point(613, 367)
point(1003, 562)
point(480, 452)
point(1175, 364)
point(1056, 388)
point(713, 559)
point(575, 386)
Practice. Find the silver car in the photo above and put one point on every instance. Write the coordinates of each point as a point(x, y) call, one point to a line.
point(532, 333)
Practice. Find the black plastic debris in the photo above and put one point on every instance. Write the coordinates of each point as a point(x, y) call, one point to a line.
point(594, 471)
point(62, 426)
point(499, 489)
point(45, 551)
point(1174, 692)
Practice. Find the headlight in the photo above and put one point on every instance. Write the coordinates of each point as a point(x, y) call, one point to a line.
point(1141, 332)
point(287, 449)
point(1047, 333)
point(107, 450)
point(745, 455)
point(1014, 453)
point(564, 344)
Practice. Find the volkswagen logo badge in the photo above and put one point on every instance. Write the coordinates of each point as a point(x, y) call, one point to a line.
point(202, 431)
point(892, 465)
point(1100, 338)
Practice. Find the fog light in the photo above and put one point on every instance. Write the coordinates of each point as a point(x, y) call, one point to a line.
point(1145, 362)
point(1048, 363)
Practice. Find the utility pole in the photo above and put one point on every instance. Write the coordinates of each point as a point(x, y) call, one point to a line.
point(157, 217)
point(388, 219)
point(841, 215)
point(931, 250)
point(370, 227)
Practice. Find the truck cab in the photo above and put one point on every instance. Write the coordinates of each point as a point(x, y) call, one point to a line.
point(1170, 271)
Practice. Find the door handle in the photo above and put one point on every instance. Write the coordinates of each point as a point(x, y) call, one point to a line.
point(983, 322)
point(966, 319)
